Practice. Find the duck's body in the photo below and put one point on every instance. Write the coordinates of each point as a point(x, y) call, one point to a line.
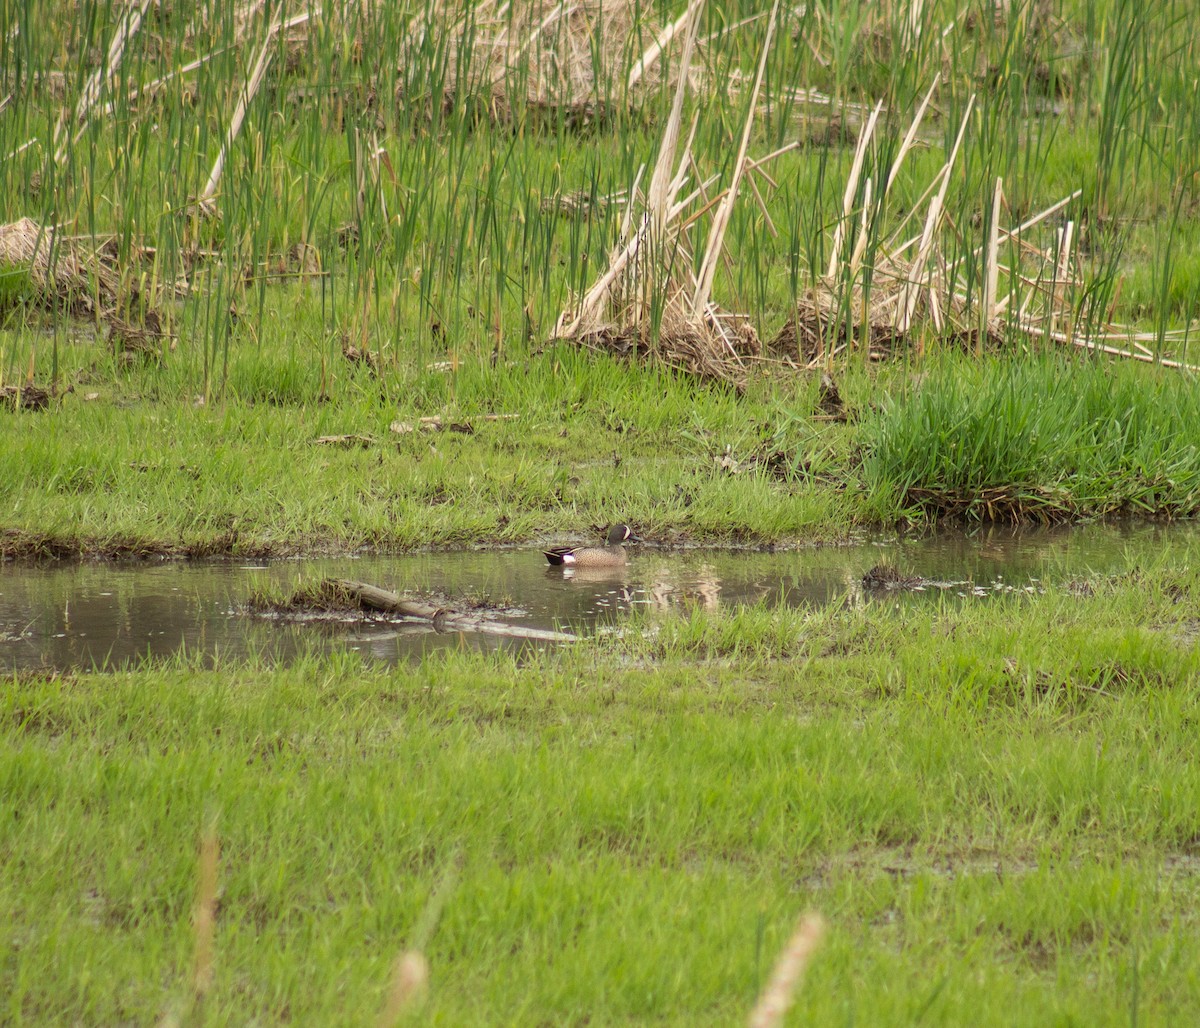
point(609, 556)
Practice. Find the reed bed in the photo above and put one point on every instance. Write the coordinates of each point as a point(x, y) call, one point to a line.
point(352, 131)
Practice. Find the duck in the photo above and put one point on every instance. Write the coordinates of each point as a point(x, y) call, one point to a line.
point(611, 555)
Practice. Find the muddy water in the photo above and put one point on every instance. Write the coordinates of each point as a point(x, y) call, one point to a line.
point(110, 615)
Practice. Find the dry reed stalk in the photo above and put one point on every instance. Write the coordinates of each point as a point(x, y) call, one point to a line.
point(788, 972)
point(716, 234)
point(860, 153)
point(205, 917)
point(655, 49)
point(910, 137)
point(991, 265)
point(660, 178)
point(410, 981)
point(933, 222)
point(91, 91)
point(239, 113)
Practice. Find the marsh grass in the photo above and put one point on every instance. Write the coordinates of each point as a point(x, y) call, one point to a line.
point(994, 807)
point(452, 237)
point(1044, 439)
point(134, 461)
point(976, 842)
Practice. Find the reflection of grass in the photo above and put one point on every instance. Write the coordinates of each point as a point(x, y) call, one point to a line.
point(995, 808)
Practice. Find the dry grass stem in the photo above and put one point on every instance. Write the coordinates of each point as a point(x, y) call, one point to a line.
point(410, 981)
point(789, 970)
point(205, 917)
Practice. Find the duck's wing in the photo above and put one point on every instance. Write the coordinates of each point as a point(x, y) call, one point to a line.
point(559, 555)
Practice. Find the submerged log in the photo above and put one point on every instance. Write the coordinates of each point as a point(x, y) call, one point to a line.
point(443, 619)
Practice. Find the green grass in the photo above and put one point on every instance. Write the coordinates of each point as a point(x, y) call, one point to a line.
point(994, 806)
point(143, 469)
point(1040, 439)
point(449, 261)
point(591, 442)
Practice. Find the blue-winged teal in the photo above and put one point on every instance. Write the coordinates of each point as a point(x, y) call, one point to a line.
point(610, 556)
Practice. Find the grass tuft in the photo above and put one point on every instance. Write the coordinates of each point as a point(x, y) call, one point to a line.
point(1042, 438)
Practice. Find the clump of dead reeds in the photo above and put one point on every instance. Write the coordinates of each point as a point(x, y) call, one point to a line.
point(64, 274)
point(575, 60)
point(893, 289)
point(654, 301)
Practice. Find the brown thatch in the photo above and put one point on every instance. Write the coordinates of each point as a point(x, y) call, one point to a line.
point(87, 282)
point(26, 397)
point(542, 56)
point(61, 272)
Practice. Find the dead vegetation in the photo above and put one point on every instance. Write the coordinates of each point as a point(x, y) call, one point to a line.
point(976, 35)
point(893, 285)
point(26, 397)
point(63, 274)
point(650, 303)
point(888, 578)
point(549, 57)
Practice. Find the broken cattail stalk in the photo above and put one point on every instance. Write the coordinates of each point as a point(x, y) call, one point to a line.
point(860, 153)
point(239, 114)
point(1061, 270)
point(932, 222)
point(657, 198)
point(205, 917)
point(991, 268)
point(655, 49)
point(716, 234)
point(91, 91)
point(911, 135)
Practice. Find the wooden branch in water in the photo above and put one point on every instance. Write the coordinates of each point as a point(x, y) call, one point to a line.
point(442, 618)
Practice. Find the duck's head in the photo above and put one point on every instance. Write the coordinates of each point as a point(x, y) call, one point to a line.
point(621, 534)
